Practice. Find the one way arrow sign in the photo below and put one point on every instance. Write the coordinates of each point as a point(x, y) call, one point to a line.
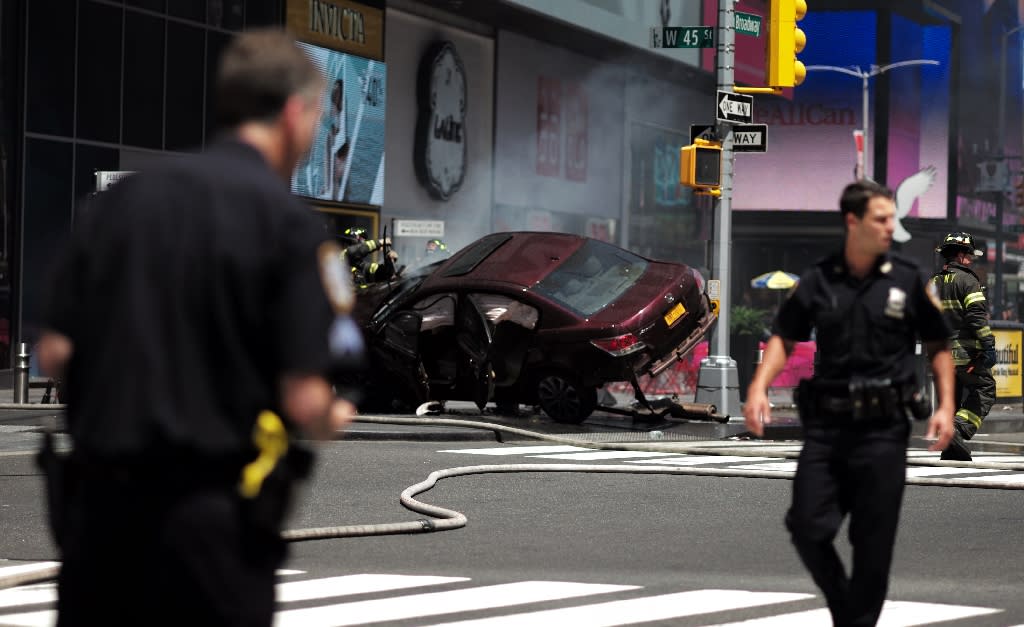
point(734, 107)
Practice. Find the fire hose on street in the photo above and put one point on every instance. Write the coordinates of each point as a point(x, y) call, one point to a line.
point(436, 518)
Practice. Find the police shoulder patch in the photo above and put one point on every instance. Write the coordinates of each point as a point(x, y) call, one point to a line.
point(933, 294)
point(336, 278)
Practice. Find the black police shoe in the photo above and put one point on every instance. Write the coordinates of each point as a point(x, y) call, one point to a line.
point(957, 450)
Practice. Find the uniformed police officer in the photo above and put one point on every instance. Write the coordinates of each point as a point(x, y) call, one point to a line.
point(867, 306)
point(192, 297)
point(974, 351)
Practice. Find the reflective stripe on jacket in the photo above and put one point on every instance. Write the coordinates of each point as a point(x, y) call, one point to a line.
point(966, 311)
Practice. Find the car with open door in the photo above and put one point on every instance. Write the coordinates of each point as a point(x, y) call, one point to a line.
point(528, 317)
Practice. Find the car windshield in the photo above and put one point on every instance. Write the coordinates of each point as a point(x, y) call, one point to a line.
point(405, 286)
point(592, 278)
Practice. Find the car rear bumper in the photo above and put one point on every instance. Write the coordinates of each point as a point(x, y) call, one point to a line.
point(657, 367)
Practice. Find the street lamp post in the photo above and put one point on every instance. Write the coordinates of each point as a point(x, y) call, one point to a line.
point(997, 300)
point(864, 76)
point(1002, 85)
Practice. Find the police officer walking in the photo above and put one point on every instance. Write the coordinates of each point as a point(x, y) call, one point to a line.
point(192, 298)
point(867, 307)
point(974, 352)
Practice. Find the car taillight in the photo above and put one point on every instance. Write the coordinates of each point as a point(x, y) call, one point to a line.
point(619, 346)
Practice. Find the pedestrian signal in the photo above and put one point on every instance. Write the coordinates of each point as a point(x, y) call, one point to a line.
point(700, 166)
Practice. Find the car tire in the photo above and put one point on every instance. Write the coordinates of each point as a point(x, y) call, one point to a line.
point(564, 399)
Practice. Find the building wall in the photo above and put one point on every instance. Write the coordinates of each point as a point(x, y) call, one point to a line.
point(466, 213)
point(559, 137)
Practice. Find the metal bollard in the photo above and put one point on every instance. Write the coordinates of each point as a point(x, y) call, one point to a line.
point(21, 366)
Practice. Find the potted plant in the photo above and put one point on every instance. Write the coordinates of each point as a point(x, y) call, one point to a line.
point(745, 320)
point(747, 326)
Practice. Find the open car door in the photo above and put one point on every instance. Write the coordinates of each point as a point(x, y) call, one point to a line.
point(473, 338)
point(397, 353)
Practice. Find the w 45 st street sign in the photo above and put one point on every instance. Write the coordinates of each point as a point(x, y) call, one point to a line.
point(683, 37)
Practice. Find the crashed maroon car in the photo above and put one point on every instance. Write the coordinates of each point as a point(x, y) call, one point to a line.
point(534, 318)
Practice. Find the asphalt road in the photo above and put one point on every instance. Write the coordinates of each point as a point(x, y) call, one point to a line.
point(609, 548)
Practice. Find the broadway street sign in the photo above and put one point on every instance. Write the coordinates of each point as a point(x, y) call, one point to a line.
point(748, 24)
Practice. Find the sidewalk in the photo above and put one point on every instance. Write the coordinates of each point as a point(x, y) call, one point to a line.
point(1003, 429)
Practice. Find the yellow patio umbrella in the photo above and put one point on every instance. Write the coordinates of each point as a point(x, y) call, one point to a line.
point(775, 280)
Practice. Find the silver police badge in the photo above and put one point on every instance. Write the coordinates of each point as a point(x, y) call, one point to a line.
point(336, 278)
point(896, 304)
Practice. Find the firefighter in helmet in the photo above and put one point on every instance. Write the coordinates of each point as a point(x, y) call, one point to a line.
point(357, 255)
point(436, 247)
point(967, 313)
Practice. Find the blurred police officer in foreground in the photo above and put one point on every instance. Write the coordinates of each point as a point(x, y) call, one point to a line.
point(192, 298)
point(867, 307)
point(974, 346)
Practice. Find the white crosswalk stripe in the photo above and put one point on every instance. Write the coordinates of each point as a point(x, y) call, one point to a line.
point(633, 611)
point(778, 465)
point(437, 603)
point(700, 460)
point(894, 614)
point(592, 455)
point(518, 450)
point(443, 601)
point(353, 584)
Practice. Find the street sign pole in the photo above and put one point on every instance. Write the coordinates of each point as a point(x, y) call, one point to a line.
point(718, 380)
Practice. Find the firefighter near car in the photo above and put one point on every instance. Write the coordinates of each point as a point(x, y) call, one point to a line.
point(358, 255)
point(966, 311)
point(436, 248)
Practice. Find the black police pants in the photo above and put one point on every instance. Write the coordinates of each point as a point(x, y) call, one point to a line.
point(135, 553)
point(856, 471)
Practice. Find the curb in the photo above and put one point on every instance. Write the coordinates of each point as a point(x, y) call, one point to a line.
point(396, 433)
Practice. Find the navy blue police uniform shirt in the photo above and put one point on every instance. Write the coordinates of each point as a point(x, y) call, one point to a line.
point(863, 327)
point(187, 291)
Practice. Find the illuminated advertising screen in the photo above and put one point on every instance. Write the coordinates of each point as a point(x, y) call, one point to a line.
point(811, 129)
point(346, 163)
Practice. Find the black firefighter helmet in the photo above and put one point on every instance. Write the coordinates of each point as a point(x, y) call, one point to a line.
point(959, 241)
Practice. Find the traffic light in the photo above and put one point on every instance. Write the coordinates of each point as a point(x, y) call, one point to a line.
point(785, 40)
point(700, 166)
point(1018, 193)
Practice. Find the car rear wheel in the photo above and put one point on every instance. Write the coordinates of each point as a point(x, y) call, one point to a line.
point(564, 399)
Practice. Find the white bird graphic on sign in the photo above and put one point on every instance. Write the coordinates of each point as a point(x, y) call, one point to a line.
point(912, 188)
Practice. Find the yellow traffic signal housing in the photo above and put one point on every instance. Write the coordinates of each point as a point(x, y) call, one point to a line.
point(700, 166)
point(785, 40)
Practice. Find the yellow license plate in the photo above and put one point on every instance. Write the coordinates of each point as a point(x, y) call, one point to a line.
point(674, 314)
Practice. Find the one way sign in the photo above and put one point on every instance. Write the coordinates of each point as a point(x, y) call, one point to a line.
point(734, 107)
point(750, 138)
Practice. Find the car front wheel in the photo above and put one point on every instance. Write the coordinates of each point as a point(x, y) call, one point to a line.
point(564, 399)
